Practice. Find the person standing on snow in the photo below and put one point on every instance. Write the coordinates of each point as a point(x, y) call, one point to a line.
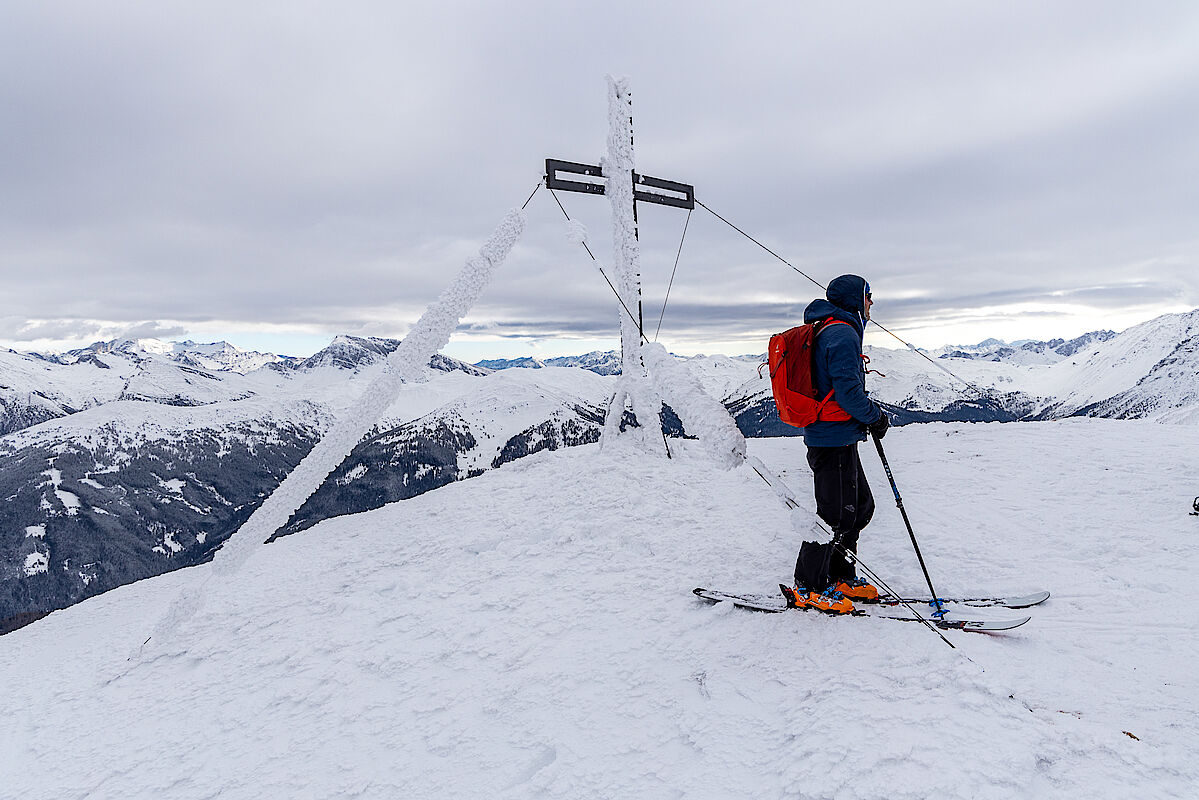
point(824, 578)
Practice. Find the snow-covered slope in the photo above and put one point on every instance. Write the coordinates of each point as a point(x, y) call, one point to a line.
point(721, 375)
point(34, 389)
point(531, 633)
point(506, 416)
point(1148, 371)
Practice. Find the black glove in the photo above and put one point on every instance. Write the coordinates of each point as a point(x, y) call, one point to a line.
point(879, 427)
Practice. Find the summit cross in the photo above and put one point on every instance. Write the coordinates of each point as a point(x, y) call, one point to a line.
point(617, 178)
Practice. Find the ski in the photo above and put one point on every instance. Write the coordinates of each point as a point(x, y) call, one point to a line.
point(1022, 601)
point(982, 601)
point(774, 603)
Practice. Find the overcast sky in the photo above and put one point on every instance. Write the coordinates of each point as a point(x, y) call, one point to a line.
point(276, 173)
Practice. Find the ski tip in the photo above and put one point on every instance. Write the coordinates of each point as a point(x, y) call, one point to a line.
point(1034, 599)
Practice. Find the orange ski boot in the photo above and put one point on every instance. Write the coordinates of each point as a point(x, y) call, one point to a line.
point(830, 601)
point(857, 589)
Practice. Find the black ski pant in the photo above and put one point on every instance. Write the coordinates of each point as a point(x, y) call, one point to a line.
point(844, 502)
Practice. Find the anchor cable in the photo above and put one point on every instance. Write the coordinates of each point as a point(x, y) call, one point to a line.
point(600, 267)
point(672, 272)
point(535, 188)
point(907, 344)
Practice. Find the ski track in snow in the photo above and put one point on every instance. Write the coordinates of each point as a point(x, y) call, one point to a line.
point(531, 633)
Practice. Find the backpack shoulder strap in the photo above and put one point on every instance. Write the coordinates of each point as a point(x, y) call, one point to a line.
point(824, 323)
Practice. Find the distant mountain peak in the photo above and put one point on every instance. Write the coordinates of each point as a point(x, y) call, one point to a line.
point(606, 362)
point(218, 356)
point(350, 352)
point(355, 352)
point(524, 362)
point(1024, 351)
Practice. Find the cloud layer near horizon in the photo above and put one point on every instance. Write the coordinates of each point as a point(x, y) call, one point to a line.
point(1001, 168)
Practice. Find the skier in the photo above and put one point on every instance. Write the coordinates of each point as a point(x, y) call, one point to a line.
point(824, 578)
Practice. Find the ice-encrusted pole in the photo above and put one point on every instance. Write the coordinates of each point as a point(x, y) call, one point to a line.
point(406, 364)
point(632, 387)
point(618, 167)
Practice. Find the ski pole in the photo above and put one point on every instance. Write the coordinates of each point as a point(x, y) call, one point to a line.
point(877, 581)
point(940, 612)
point(789, 502)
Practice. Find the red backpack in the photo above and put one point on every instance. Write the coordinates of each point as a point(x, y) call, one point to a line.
point(790, 360)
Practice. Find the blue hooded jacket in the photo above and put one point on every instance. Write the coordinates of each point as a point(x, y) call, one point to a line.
point(837, 363)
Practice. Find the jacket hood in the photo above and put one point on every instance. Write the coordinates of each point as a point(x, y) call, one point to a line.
point(849, 292)
point(846, 301)
point(822, 309)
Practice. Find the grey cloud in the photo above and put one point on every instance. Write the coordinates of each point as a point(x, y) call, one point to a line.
point(330, 166)
point(58, 329)
point(49, 329)
point(151, 330)
point(716, 320)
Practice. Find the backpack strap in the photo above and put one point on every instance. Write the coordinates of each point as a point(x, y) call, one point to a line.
point(826, 322)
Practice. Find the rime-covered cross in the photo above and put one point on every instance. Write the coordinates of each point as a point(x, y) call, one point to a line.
point(617, 178)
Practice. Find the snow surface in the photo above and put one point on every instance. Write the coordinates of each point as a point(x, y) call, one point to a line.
point(69, 501)
point(531, 633)
point(36, 562)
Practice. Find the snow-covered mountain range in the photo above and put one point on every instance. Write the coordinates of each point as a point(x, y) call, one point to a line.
point(602, 363)
point(128, 459)
point(1024, 352)
point(121, 462)
point(215, 356)
point(1148, 371)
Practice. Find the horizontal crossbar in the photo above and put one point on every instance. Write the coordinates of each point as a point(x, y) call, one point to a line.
point(671, 193)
